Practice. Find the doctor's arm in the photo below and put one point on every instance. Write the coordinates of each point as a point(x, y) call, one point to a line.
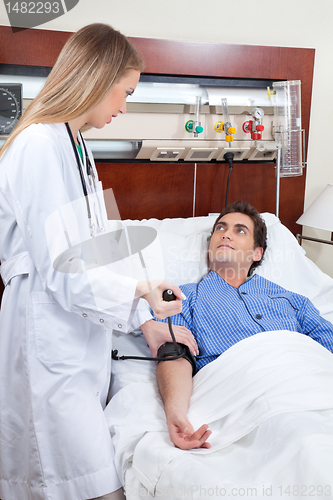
point(174, 380)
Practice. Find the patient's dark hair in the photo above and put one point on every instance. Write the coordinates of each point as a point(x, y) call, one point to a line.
point(260, 229)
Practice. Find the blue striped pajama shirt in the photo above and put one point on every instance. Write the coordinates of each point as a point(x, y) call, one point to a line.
point(220, 315)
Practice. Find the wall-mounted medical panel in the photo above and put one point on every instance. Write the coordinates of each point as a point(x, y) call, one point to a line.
point(165, 126)
point(175, 110)
point(201, 151)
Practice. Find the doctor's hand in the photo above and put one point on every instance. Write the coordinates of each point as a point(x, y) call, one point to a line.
point(152, 291)
point(182, 433)
point(157, 333)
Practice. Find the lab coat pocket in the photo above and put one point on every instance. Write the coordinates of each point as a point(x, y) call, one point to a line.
point(60, 336)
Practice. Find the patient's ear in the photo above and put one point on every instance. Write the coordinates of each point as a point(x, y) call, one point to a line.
point(257, 254)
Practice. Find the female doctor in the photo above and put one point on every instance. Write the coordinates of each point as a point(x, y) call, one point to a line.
point(57, 315)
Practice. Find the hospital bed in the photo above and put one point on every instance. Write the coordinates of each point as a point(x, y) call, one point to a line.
point(268, 399)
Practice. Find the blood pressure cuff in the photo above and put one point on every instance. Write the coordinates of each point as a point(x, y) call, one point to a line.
point(168, 349)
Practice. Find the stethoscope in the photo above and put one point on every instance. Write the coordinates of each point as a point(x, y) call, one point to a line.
point(90, 175)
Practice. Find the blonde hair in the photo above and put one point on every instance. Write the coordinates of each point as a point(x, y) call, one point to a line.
point(91, 61)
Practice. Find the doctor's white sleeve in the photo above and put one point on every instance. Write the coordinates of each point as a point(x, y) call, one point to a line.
point(42, 181)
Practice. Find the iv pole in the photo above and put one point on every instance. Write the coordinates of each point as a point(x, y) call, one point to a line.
point(277, 174)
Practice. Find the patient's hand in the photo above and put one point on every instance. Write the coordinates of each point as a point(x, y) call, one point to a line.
point(157, 333)
point(175, 384)
point(182, 433)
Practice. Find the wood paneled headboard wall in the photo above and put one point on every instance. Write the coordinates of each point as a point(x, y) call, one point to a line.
point(166, 190)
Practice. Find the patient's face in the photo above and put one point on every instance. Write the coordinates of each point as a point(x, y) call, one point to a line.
point(233, 241)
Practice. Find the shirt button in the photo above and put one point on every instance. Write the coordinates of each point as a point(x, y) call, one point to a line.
point(120, 326)
point(101, 320)
point(258, 316)
point(84, 315)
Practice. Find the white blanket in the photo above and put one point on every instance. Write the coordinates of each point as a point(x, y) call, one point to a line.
point(259, 399)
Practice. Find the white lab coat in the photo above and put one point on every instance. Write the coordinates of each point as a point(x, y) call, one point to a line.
point(55, 331)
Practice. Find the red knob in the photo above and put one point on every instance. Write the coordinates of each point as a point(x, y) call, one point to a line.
point(247, 126)
point(255, 137)
point(260, 128)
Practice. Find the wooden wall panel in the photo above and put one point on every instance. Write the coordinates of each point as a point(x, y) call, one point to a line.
point(155, 190)
point(249, 182)
point(31, 47)
point(166, 190)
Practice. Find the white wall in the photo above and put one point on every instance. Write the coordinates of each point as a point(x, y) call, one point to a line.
point(289, 23)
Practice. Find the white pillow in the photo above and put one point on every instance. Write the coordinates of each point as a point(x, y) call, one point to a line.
point(184, 243)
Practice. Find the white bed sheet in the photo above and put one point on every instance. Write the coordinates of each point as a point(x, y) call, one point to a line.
point(268, 401)
point(272, 461)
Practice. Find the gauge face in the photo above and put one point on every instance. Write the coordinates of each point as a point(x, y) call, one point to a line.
point(10, 106)
point(258, 113)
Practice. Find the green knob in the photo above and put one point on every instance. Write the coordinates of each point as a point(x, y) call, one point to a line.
point(199, 129)
point(189, 126)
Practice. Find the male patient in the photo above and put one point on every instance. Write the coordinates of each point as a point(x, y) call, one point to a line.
point(228, 305)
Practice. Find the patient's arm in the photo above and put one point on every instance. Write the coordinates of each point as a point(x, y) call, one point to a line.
point(175, 384)
point(157, 333)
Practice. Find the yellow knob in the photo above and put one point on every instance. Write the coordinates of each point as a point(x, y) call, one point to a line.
point(229, 138)
point(231, 130)
point(218, 127)
point(270, 92)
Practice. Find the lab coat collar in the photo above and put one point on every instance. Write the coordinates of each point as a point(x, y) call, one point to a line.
point(60, 129)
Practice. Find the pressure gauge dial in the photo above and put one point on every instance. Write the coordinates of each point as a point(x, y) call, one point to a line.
point(10, 106)
point(258, 113)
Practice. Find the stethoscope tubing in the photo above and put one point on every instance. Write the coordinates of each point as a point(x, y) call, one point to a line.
point(78, 161)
